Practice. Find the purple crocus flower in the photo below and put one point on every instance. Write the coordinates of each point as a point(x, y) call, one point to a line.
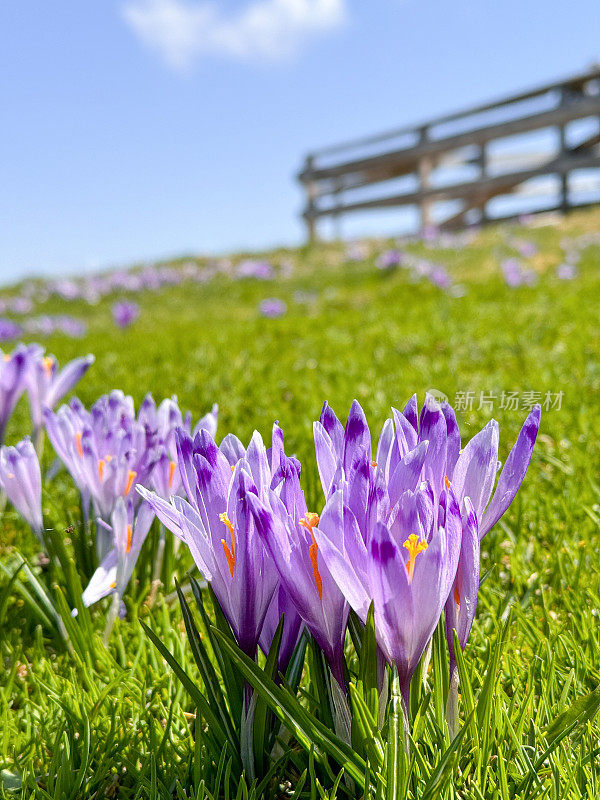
point(21, 481)
point(287, 529)
point(46, 385)
point(125, 313)
point(217, 524)
point(128, 531)
point(13, 370)
point(272, 307)
point(423, 453)
point(163, 422)
point(107, 450)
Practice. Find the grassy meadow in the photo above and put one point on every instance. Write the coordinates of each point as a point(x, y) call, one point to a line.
point(81, 721)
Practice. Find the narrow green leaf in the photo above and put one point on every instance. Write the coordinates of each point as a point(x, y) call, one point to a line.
point(308, 730)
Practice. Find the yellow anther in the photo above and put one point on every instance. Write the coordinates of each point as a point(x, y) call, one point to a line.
point(229, 551)
point(101, 465)
point(414, 547)
point(108, 458)
point(113, 585)
point(78, 436)
point(447, 482)
point(131, 476)
point(172, 467)
point(48, 364)
point(310, 520)
point(129, 535)
point(233, 467)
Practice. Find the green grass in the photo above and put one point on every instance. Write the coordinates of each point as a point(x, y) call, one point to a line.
point(93, 723)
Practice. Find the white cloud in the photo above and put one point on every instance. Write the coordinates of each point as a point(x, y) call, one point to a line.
point(182, 31)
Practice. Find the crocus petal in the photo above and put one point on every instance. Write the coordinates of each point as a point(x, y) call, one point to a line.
point(103, 581)
point(66, 379)
point(407, 473)
point(327, 460)
point(462, 601)
point(394, 610)
point(411, 412)
point(432, 427)
point(164, 510)
point(513, 473)
point(476, 468)
point(453, 439)
point(333, 427)
point(357, 437)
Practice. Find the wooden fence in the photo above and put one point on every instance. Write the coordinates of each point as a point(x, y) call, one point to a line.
point(406, 166)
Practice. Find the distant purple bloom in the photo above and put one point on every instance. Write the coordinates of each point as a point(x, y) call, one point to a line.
point(125, 313)
point(390, 259)
point(440, 278)
point(9, 330)
point(272, 308)
point(21, 481)
point(566, 272)
point(71, 326)
point(516, 274)
point(526, 249)
point(260, 270)
point(21, 305)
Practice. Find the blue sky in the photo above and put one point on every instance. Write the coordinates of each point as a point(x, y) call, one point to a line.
point(137, 129)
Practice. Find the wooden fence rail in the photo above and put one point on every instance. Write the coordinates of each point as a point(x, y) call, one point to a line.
point(337, 179)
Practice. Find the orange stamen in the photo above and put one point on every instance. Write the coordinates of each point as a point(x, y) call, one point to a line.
point(78, 444)
point(313, 552)
point(373, 464)
point(172, 466)
point(447, 482)
point(131, 476)
point(48, 364)
point(129, 535)
point(108, 458)
point(414, 547)
point(309, 521)
point(456, 596)
point(229, 552)
point(101, 465)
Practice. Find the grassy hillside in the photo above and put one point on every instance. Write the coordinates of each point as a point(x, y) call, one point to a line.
point(118, 724)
